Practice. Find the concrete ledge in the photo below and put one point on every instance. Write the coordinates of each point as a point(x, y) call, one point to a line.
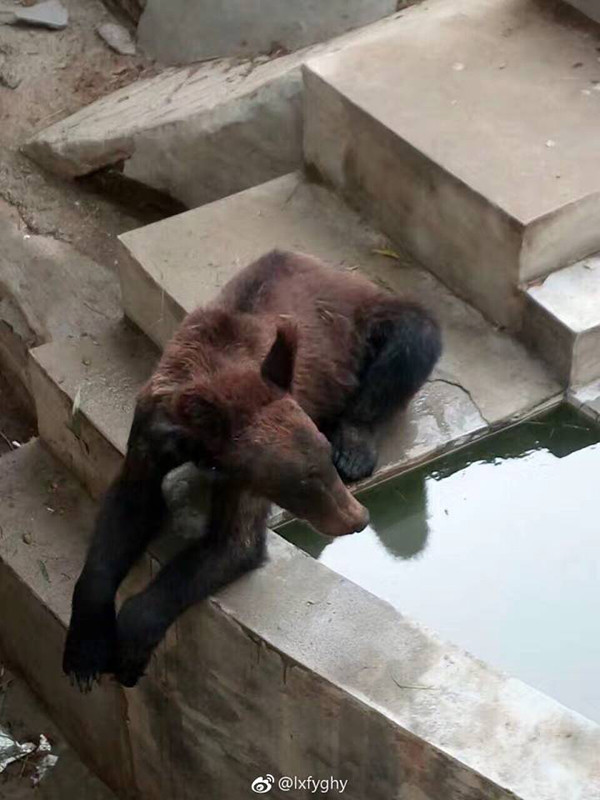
point(292, 670)
point(296, 671)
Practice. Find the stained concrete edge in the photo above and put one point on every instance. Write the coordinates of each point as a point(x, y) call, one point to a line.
point(363, 646)
point(357, 643)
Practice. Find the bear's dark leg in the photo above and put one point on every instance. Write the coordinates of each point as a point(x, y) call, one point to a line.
point(131, 513)
point(233, 545)
point(402, 345)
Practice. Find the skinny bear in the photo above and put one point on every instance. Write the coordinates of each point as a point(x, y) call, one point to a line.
point(275, 389)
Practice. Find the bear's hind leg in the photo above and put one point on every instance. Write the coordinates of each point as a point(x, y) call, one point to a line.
point(403, 344)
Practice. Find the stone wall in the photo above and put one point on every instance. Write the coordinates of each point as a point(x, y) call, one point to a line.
point(182, 31)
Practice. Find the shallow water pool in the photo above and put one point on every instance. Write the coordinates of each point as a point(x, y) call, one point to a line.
point(497, 549)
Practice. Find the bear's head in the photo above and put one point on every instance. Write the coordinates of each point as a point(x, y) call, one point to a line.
point(257, 434)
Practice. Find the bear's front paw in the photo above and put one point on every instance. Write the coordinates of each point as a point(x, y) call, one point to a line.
point(134, 643)
point(353, 452)
point(90, 651)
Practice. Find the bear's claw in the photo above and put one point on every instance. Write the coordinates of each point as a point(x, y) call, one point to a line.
point(86, 659)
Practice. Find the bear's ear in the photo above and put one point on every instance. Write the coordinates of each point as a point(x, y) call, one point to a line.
point(278, 366)
point(197, 411)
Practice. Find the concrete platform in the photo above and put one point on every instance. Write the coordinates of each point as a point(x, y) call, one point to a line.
point(484, 378)
point(102, 377)
point(562, 321)
point(466, 129)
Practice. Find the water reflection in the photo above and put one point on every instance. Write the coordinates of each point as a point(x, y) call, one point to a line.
point(496, 548)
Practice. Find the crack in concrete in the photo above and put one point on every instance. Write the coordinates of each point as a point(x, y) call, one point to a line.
point(7, 196)
point(448, 382)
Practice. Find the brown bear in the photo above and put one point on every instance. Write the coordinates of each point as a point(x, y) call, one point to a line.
point(274, 390)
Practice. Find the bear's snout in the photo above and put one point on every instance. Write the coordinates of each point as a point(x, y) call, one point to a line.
point(350, 517)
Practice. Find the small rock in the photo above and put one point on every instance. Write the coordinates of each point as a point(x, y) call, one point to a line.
point(458, 66)
point(117, 37)
point(49, 14)
point(27, 538)
point(550, 143)
point(9, 76)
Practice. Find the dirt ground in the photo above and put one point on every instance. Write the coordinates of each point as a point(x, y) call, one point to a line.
point(58, 72)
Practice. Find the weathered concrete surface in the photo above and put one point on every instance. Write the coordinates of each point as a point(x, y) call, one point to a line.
point(48, 291)
point(486, 194)
point(292, 670)
point(182, 32)
point(197, 133)
point(484, 377)
point(23, 715)
point(45, 519)
point(562, 321)
point(102, 377)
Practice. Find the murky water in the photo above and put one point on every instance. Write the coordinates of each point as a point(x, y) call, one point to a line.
point(497, 549)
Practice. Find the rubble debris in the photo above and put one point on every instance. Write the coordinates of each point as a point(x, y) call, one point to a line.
point(39, 756)
point(117, 37)
point(48, 14)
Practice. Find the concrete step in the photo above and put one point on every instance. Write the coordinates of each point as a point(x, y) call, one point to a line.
point(100, 376)
point(45, 519)
point(484, 379)
point(197, 133)
point(48, 290)
point(562, 321)
point(467, 130)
